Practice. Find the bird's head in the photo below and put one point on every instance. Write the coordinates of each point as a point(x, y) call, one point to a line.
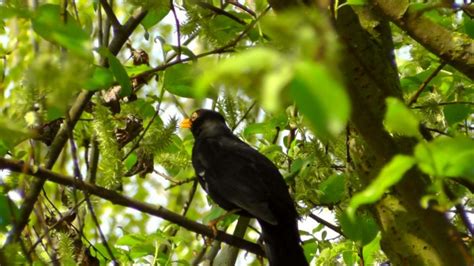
point(205, 122)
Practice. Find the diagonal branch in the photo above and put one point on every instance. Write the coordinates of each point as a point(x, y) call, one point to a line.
point(111, 15)
point(425, 83)
point(61, 138)
point(454, 48)
point(116, 198)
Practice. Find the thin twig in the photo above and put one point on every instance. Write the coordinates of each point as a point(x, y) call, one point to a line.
point(224, 49)
point(142, 134)
point(327, 224)
point(182, 182)
point(423, 85)
point(442, 104)
point(245, 115)
point(220, 12)
point(78, 176)
point(459, 209)
point(45, 248)
point(61, 219)
point(61, 138)
point(243, 7)
point(178, 30)
point(116, 198)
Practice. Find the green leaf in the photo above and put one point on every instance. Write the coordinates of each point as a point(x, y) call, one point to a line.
point(361, 228)
point(9, 210)
point(246, 63)
point(222, 29)
point(102, 78)
point(10, 12)
point(12, 132)
point(468, 25)
point(47, 22)
point(332, 189)
point(321, 98)
point(154, 16)
point(215, 213)
point(370, 250)
point(390, 174)
point(273, 83)
point(131, 240)
point(3, 148)
point(456, 113)
point(350, 257)
point(136, 70)
point(130, 161)
point(310, 249)
point(119, 72)
point(268, 127)
point(447, 157)
point(400, 120)
point(178, 80)
point(356, 2)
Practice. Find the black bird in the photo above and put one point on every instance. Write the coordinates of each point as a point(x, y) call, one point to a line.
point(236, 176)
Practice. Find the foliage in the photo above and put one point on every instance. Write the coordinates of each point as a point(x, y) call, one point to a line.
point(275, 76)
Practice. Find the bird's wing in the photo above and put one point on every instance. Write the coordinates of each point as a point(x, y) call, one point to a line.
point(234, 172)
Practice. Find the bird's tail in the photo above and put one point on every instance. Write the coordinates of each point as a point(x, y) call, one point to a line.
point(282, 244)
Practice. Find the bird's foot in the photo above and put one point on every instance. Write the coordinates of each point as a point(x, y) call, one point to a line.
point(213, 225)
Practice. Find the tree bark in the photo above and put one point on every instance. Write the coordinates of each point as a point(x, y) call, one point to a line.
point(455, 48)
point(411, 235)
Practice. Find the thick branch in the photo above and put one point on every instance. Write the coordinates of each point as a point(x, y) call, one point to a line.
point(111, 15)
point(454, 48)
point(116, 198)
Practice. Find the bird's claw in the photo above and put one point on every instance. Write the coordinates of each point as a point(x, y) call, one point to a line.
point(213, 225)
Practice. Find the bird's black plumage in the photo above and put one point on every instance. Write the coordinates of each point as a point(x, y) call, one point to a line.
point(236, 176)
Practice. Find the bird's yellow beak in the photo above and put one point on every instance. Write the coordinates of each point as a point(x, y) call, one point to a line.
point(186, 123)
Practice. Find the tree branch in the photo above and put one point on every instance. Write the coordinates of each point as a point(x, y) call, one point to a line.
point(116, 198)
point(327, 224)
point(425, 83)
point(454, 48)
point(60, 140)
point(111, 15)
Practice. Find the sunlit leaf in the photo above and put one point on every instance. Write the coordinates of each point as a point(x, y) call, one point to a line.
point(399, 119)
point(310, 249)
point(9, 12)
point(8, 213)
point(136, 70)
point(248, 62)
point(332, 189)
point(119, 72)
point(360, 228)
point(12, 132)
point(102, 78)
point(456, 113)
point(370, 250)
point(178, 80)
point(273, 84)
point(447, 157)
point(321, 98)
point(131, 240)
point(268, 127)
point(356, 2)
point(154, 16)
point(390, 174)
point(350, 257)
point(49, 24)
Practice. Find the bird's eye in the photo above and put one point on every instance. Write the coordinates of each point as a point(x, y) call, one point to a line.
point(194, 116)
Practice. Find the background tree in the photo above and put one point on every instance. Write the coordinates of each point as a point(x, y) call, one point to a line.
point(365, 106)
